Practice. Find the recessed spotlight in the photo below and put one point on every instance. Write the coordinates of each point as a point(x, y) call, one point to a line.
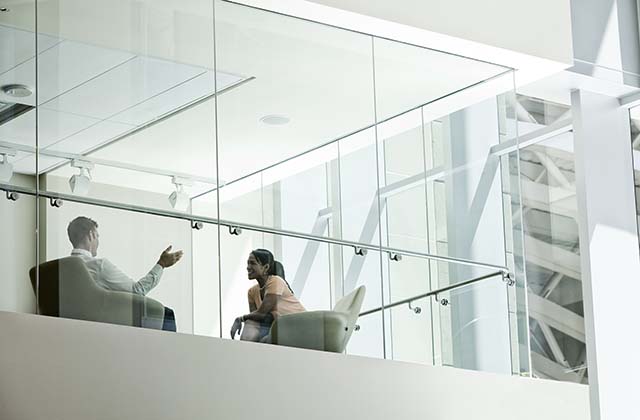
point(17, 91)
point(275, 119)
point(4, 9)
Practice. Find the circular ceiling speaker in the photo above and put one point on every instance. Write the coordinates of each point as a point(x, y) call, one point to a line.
point(275, 119)
point(17, 91)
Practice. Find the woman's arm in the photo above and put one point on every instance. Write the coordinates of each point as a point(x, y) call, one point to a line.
point(268, 304)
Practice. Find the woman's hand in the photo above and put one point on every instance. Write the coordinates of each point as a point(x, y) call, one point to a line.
point(236, 327)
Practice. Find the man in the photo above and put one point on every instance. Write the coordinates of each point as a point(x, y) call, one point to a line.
point(83, 234)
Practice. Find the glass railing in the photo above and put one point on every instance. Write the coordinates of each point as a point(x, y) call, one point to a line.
point(357, 161)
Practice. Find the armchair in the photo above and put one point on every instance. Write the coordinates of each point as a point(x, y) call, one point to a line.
point(65, 289)
point(319, 330)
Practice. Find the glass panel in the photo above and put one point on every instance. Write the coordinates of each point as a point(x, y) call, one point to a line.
point(410, 326)
point(403, 192)
point(126, 108)
point(122, 252)
point(552, 257)
point(296, 195)
point(18, 142)
point(464, 198)
point(408, 77)
point(514, 242)
point(307, 84)
point(359, 206)
point(475, 326)
point(18, 245)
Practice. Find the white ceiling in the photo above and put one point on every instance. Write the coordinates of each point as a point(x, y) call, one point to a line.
point(107, 67)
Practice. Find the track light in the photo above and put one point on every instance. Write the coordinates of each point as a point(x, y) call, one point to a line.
point(80, 183)
point(6, 168)
point(179, 199)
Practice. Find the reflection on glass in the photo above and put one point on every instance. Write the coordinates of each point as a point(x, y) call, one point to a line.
point(548, 223)
point(114, 266)
point(18, 242)
point(474, 327)
point(127, 120)
point(310, 84)
point(289, 138)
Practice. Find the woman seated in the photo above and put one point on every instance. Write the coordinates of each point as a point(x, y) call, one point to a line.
point(268, 299)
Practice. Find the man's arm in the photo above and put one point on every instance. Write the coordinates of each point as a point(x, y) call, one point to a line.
point(114, 279)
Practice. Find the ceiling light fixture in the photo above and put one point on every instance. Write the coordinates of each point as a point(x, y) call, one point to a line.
point(16, 90)
point(275, 119)
point(179, 199)
point(81, 182)
point(6, 168)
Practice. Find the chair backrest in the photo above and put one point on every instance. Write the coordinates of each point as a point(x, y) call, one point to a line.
point(66, 289)
point(351, 305)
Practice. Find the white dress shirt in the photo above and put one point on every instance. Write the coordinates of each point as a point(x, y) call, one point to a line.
point(110, 277)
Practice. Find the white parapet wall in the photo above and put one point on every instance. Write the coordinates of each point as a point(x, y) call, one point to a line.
point(57, 369)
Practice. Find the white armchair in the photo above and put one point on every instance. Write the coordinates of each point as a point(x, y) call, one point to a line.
point(319, 330)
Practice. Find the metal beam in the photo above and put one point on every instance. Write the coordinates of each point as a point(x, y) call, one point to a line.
point(549, 369)
point(552, 257)
point(555, 316)
point(525, 140)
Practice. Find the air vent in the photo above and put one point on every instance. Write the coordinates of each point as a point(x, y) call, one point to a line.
point(9, 111)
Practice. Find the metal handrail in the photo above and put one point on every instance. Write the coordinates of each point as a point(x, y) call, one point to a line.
point(237, 226)
point(506, 277)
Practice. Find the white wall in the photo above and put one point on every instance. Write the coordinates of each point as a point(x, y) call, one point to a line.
point(500, 23)
point(17, 249)
point(102, 372)
point(497, 31)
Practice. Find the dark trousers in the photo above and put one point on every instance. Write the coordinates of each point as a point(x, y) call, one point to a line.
point(169, 323)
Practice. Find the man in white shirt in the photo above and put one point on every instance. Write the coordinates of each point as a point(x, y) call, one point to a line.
point(83, 234)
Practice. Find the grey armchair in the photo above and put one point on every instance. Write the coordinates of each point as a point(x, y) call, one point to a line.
point(65, 289)
point(319, 330)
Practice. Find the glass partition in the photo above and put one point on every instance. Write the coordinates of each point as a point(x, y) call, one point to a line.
point(18, 142)
point(219, 129)
point(123, 255)
point(126, 102)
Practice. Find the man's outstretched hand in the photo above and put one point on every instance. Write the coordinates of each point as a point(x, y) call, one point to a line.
point(168, 258)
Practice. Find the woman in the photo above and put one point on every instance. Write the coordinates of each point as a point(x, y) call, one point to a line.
point(268, 299)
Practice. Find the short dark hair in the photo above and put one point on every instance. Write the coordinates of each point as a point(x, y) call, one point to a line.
point(79, 229)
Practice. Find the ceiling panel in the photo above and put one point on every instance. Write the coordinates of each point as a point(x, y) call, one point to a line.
point(52, 127)
point(18, 46)
point(187, 92)
point(90, 138)
point(123, 87)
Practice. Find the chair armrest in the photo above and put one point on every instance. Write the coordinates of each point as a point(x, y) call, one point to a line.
point(315, 330)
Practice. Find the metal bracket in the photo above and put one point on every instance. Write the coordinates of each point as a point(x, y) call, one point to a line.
point(360, 251)
point(12, 195)
point(415, 309)
point(235, 230)
point(197, 225)
point(443, 301)
point(393, 256)
point(55, 202)
point(82, 164)
point(356, 327)
point(508, 278)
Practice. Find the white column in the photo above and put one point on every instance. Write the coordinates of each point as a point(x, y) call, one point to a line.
point(475, 231)
point(609, 254)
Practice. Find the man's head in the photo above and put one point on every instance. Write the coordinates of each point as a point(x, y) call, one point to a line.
point(83, 234)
